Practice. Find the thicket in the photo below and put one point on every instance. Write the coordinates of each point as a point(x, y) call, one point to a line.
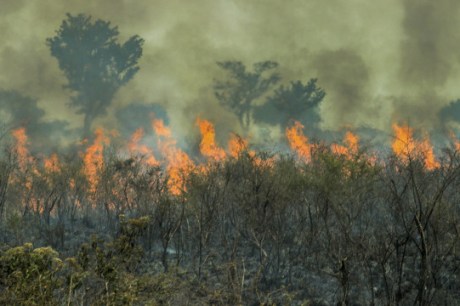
point(257, 229)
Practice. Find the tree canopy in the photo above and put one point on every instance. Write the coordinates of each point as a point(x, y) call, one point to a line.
point(243, 87)
point(297, 101)
point(94, 63)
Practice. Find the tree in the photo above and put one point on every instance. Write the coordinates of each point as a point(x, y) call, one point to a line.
point(244, 87)
point(297, 101)
point(450, 112)
point(94, 63)
point(18, 110)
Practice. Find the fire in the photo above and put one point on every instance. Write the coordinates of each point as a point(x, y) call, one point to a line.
point(236, 145)
point(52, 164)
point(430, 159)
point(352, 142)
point(298, 141)
point(404, 146)
point(208, 146)
point(93, 159)
point(25, 163)
point(72, 183)
point(179, 164)
point(160, 129)
point(20, 147)
point(351, 145)
point(135, 147)
point(179, 167)
point(339, 149)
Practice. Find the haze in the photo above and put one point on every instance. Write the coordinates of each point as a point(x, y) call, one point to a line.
point(378, 61)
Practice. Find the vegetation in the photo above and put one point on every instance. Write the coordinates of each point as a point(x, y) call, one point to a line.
point(243, 88)
point(331, 225)
point(95, 65)
point(295, 102)
point(251, 229)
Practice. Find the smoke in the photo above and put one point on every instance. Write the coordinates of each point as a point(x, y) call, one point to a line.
point(378, 61)
point(345, 74)
point(21, 111)
point(429, 59)
point(134, 116)
point(429, 49)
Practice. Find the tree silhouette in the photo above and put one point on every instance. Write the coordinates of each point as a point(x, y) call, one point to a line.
point(450, 112)
point(95, 64)
point(244, 87)
point(18, 110)
point(297, 101)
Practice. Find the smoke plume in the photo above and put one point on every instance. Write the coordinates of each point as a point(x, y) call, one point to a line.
point(378, 61)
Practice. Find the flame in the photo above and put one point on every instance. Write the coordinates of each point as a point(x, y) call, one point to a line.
point(236, 145)
point(430, 159)
point(160, 129)
point(25, 163)
point(352, 142)
point(298, 141)
point(179, 163)
point(263, 163)
point(135, 148)
point(72, 184)
point(404, 146)
point(20, 147)
point(454, 140)
point(93, 159)
point(52, 164)
point(208, 146)
point(351, 145)
point(339, 149)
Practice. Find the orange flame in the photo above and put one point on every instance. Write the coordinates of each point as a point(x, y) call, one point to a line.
point(430, 159)
point(179, 163)
point(94, 159)
point(72, 183)
point(352, 142)
point(236, 145)
point(52, 164)
point(24, 161)
point(454, 140)
point(351, 145)
point(21, 147)
point(160, 129)
point(404, 146)
point(135, 148)
point(339, 149)
point(208, 146)
point(298, 141)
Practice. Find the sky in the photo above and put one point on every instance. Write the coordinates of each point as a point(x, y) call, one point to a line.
point(379, 61)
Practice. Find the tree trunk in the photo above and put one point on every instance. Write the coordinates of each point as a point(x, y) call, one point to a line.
point(89, 118)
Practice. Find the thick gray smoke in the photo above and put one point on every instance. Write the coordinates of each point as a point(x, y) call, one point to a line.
point(429, 59)
point(378, 61)
point(21, 111)
point(345, 75)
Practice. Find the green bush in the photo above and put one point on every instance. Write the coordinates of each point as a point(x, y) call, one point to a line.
point(30, 276)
